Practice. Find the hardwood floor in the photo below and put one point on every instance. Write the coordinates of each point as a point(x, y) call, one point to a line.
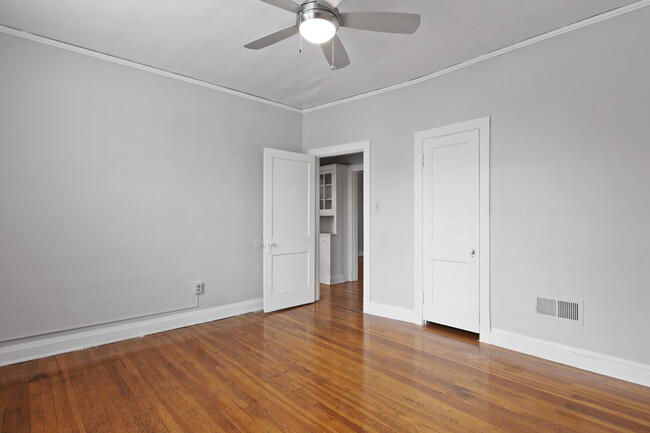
point(321, 367)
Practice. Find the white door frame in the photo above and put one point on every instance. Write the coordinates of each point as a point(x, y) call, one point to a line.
point(344, 149)
point(483, 126)
point(354, 222)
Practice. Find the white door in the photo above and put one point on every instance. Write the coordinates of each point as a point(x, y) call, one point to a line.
point(289, 229)
point(450, 214)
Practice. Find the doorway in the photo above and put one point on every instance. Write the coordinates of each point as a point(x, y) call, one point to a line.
point(347, 229)
point(340, 204)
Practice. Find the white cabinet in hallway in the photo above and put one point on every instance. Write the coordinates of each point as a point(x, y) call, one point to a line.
point(327, 187)
point(335, 223)
point(330, 192)
point(325, 258)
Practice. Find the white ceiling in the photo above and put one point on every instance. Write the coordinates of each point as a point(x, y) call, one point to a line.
point(204, 39)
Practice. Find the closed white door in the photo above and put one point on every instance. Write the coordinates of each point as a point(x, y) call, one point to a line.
point(289, 229)
point(450, 214)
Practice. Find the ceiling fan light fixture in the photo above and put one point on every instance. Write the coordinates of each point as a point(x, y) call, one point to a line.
point(316, 23)
point(317, 30)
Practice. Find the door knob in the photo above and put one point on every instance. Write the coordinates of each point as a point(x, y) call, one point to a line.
point(471, 251)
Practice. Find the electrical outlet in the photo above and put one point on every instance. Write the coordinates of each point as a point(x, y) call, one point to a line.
point(198, 288)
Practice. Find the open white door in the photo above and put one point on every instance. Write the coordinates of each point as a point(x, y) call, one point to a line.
point(289, 229)
point(450, 214)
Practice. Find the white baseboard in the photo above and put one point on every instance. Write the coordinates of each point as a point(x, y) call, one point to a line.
point(392, 312)
point(595, 362)
point(337, 279)
point(41, 348)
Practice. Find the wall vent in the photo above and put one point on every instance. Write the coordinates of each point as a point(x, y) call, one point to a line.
point(546, 306)
point(566, 311)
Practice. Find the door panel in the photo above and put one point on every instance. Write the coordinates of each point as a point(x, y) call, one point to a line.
point(450, 208)
point(290, 272)
point(291, 195)
point(449, 190)
point(289, 229)
point(450, 285)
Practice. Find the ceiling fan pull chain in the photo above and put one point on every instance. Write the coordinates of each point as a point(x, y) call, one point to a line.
point(299, 35)
point(332, 65)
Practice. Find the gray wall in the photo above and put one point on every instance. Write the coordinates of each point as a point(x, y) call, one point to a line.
point(119, 188)
point(570, 179)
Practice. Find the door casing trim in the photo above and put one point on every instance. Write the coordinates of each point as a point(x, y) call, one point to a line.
point(354, 222)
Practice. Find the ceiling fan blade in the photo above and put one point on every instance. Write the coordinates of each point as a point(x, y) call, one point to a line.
point(340, 59)
point(331, 3)
point(287, 5)
point(272, 38)
point(388, 22)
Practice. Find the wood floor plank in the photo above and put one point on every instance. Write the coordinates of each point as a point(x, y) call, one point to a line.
point(4, 395)
point(148, 411)
point(213, 391)
point(46, 396)
point(37, 419)
point(68, 414)
point(160, 374)
point(322, 367)
point(271, 406)
point(118, 415)
point(203, 394)
point(282, 380)
point(172, 416)
point(93, 414)
point(17, 409)
point(377, 379)
point(269, 403)
point(383, 387)
point(327, 373)
point(135, 414)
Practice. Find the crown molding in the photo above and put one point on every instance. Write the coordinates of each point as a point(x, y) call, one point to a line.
point(580, 24)
point(120, 61)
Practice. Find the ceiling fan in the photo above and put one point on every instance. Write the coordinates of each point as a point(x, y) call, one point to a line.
point(317, 21)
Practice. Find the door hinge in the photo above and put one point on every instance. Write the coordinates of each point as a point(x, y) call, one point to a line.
point(422, 160)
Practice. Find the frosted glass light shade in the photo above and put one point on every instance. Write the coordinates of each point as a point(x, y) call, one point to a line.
point(317, 30)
